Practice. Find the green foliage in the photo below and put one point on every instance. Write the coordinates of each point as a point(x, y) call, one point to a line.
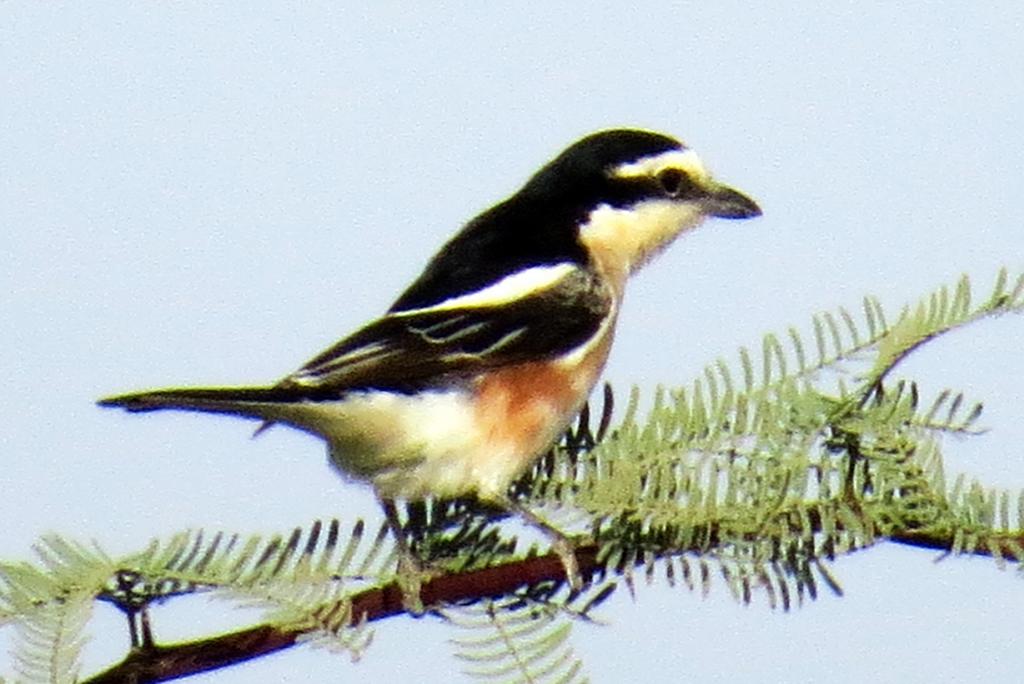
point(524, 637)
point(50, 606)
point(760, 474)
point(767, 479)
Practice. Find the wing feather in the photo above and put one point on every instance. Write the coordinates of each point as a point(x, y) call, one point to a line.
point(411, 350)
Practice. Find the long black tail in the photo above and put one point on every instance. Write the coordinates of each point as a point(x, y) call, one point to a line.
point(248, 402)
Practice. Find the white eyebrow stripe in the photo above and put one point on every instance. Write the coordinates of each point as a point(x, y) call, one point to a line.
point(687, 160)
point(509, 289)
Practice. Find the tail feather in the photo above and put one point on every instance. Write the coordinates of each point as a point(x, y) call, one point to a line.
point(248, 402)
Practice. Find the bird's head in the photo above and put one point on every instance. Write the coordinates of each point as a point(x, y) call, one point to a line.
point(613, 199)
point(633, 192)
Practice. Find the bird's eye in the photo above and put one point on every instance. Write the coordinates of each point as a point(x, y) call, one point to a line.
point(673, 182)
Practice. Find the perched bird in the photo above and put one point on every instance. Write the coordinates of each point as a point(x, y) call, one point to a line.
point(482, 363)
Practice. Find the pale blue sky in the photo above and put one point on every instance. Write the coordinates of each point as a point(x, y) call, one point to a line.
point(195, 193)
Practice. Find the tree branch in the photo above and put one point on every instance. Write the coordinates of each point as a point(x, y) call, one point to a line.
point(163, 663)
point(994, 545)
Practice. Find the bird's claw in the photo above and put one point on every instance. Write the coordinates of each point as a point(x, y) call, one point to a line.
point(411, 575)
point(566, 550)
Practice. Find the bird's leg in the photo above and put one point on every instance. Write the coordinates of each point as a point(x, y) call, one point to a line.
point(560, 543)
point(412, 572)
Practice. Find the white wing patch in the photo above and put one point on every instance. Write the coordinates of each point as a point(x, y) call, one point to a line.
point(509, 289)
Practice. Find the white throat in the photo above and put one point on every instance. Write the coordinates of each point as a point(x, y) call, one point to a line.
point(624, 240)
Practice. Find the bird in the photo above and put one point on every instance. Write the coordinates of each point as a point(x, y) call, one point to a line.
point(482, 363)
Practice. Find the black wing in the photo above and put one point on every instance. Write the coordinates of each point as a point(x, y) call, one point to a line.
point(411, 350)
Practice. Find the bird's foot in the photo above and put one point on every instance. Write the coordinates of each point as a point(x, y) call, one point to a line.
point(412, 574)
point(561, 544)
point(566, 550)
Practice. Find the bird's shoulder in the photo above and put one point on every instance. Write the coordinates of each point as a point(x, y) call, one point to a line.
point(537, 313)
point(521, 232)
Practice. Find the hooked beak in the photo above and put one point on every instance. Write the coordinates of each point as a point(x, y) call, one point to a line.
point(724, 202)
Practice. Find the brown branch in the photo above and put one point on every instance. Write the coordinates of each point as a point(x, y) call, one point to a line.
point(165, 662)
point(993, 545)
point(162, 663)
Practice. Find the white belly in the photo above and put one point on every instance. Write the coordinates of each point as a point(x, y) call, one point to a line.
point(476, 439)
point(414, 446)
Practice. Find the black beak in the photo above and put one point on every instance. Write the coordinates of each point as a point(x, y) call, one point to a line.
point(724, 202)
